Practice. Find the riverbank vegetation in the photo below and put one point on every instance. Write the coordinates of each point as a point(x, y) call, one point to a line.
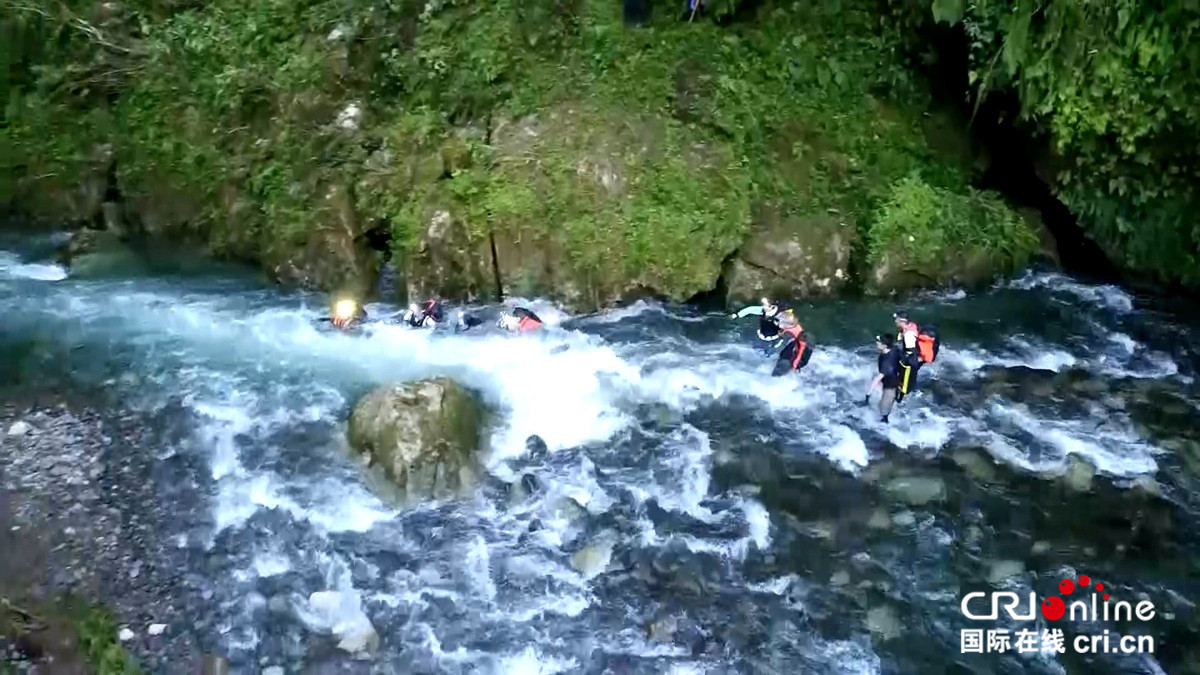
point(563, 147)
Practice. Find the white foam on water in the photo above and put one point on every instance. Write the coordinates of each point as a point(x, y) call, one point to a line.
point(622, 313)
point(1114, 451)
point(686, 482)
point(532, 661)
point(477, 566)
point(1124, 341)
point(271, 563)
point(851, 658)
point(549, 385)
point(1105, 296)
point(12, 267)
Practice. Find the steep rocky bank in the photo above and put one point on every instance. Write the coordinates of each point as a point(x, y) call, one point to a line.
point(514, 148)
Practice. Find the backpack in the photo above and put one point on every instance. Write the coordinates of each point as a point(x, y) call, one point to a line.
point(928, 344)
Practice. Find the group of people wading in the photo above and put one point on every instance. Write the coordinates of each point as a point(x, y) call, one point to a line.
point(432, 313)
point(900, 356)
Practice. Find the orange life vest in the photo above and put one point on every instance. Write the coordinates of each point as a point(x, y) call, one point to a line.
point(528, 323)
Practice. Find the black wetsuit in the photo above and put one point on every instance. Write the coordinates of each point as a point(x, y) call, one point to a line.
point(890, 368)
point(794, 355)
point(466, 322)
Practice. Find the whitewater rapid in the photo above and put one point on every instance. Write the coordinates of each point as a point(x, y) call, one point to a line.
point(252, 367)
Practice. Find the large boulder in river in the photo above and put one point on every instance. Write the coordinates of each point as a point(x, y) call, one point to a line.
point(425, 435)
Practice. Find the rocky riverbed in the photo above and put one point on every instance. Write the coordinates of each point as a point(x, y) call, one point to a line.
point(77, 518)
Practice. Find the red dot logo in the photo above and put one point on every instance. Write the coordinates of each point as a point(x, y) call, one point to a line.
point(1099, 587)
point(1066, 587)
point(1053, 608)
point(1084, 580)
point(1106, 596)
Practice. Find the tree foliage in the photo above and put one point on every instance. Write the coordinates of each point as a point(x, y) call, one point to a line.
point(1115, 86)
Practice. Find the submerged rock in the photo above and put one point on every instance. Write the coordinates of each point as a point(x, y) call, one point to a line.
point(98, 252)
point(1079, 474)
point(978, 465)
point(879, 520)
point(883, 622)
point(1000, 571)
point(593, 559)
point(215, 665)
point(917, 490)
point(424, 435)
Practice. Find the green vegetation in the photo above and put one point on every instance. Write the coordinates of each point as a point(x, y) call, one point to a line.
point(1115, 88)
point(68, 630)
point(926, 222)
point(230, 123)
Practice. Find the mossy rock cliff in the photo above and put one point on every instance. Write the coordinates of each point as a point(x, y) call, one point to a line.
point(506, 148)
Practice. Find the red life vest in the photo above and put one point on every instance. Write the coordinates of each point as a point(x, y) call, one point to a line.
point(528, 323)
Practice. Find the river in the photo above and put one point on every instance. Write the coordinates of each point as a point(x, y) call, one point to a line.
point(730, 521)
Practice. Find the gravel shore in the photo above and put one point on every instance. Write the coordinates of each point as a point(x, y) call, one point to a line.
point(78, 517)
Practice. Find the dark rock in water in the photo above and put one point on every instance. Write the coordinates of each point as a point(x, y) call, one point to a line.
point(424, 435)
point(530, 483)
point(536, 448)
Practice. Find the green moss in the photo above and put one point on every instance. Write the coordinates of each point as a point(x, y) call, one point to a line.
point(98, 638)
point(931, 225)
point(235, 103)
point(67, 630)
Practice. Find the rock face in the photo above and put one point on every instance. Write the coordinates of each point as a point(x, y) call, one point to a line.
point(425, 435)
point(788, 256)
point(334, 254)
point(584, 205)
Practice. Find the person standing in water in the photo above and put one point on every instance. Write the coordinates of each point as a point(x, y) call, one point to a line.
point(917, 347)
point(769, 315)
point(890, 362)
point(796, 351)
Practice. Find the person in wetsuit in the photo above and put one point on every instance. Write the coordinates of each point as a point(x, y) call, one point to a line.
point(769, 313)
point(427, 315)
point(347, 314)
point(796, 351)
point(466, 322)
point(891, 359)
point(520, 320)
point(917, 347)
